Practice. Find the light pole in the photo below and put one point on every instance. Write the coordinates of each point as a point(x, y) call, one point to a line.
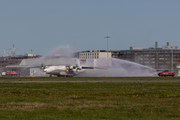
point(172, 60)
point(107, 44)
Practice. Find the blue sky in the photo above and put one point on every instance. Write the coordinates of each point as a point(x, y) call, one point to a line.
point(43, 25)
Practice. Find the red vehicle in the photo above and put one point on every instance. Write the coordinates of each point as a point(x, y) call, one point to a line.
point(10, 73)
point(166, 73)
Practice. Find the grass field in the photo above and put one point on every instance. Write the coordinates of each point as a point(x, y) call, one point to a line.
point(99, 101)
point(83, 78)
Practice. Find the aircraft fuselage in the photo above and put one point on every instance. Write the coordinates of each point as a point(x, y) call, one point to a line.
point(60, 71)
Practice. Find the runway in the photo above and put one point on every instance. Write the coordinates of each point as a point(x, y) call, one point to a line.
point(123, 81)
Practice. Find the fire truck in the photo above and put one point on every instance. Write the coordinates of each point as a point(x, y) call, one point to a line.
point(166, 73)
point(11, 73)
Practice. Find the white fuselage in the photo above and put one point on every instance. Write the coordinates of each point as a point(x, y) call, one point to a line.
point(49, 69)
point(61, 70)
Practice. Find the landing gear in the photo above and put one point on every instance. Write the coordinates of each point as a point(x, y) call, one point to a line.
point(60, 76)
point(64, 75)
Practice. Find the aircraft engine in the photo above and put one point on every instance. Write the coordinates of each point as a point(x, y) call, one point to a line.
point(79, 67)
point(69, 68)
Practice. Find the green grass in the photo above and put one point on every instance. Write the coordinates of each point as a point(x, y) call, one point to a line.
point(83, 78)
point(99, 101)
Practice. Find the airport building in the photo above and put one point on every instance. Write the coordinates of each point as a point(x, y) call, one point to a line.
point(15, 60)
point(156, 57)
point(93, 54)
point(7, 61)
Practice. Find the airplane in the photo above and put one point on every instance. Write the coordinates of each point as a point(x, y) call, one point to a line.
point(65, 70)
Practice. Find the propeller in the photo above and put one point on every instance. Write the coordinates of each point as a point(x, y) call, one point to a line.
point(77, 67)
point(42, 66)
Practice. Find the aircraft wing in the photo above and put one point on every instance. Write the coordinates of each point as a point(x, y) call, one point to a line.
point(84, 67)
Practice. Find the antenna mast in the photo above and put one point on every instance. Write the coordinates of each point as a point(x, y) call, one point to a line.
point(13, 50)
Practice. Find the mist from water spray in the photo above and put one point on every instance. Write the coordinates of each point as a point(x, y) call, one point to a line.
point(62, 51)
point(118, 68)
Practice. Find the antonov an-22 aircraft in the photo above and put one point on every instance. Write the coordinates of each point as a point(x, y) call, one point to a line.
point(65, 70)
